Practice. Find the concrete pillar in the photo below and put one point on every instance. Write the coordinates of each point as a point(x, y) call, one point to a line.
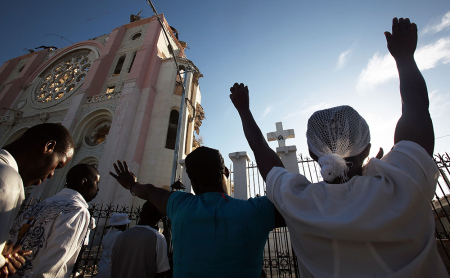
point(240, 176)
point(184, 178)
point(288, 155)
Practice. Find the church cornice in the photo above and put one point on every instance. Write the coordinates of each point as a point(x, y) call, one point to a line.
point(185, 62)
point(92, 45)
point(103, 97)
point(17, 118)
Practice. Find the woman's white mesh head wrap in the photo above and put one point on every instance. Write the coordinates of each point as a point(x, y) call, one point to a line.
point(334, 134)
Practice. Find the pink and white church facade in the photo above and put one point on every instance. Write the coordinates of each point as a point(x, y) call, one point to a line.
point(119, 96)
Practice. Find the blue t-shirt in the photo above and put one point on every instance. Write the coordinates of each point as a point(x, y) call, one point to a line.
point(215, 235)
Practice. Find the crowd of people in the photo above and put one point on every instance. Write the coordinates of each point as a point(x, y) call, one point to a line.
point(371, 220)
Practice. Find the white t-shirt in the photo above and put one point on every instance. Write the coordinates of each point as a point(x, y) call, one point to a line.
point(56, 230)
point(162, 262)
point(377, 225)
point(104, 266)
point(140, 251)
point(11, 196)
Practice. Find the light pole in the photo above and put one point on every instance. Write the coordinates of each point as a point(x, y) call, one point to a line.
point(183, 100)
point(180, 127)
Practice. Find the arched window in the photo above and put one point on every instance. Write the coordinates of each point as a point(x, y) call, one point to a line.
point(172, 130)
point(98, 133)
point(132, 61)
point(119, 65)
point(136, 36)
point(178, 85)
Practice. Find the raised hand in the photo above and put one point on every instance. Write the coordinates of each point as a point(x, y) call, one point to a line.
point(156, 195)
point(380, 153)
point(402, 42)
point(265, 157)
point(239, 96)
point(415, 123)
point(123, 174)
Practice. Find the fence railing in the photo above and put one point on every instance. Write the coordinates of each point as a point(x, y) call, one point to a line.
point(279, 257)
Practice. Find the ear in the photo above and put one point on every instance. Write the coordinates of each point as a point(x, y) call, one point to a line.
point(50, 147)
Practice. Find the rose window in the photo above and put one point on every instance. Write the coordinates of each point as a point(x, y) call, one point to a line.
point(62, 79)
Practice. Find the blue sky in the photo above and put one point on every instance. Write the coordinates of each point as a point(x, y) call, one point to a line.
point(295, 56)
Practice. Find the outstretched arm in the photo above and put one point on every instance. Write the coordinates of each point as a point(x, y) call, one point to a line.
point(415, 123)
point(157, 196)
point(265, 157)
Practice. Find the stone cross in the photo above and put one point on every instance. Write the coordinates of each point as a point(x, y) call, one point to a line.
point(280, 135)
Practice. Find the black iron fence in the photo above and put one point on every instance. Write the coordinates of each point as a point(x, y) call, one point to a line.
point(279, 257)
point(89, 257)
point(440, 206)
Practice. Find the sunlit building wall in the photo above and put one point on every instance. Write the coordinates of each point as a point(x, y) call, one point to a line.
point(118, 94)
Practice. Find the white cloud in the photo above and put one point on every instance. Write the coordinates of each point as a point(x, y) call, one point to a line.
point(382, 68)
point(439, 104)
point(378, 70)
point(445, 23)
point(431, 55)
point(267, 111)
point(343, 59)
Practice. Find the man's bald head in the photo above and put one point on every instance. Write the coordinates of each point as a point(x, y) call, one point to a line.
point(43, 133)
point(84, 178)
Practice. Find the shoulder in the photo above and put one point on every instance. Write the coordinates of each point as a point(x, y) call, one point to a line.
point(71, 202)
point(74, 213)
point(409, 150)
point(280, 179)
point(84, 214)
point(281, 175)
point(71, 206)
point(7, 159)
point(144, 233)
point(112, 234)
point(11, 189)
point(261, 202)
point(177, 199)
point(160, 236)
point(11, 186)
point(259, 207)
point(259, 213)
point(407, 159)
point(9, 175)
point(179, 195)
